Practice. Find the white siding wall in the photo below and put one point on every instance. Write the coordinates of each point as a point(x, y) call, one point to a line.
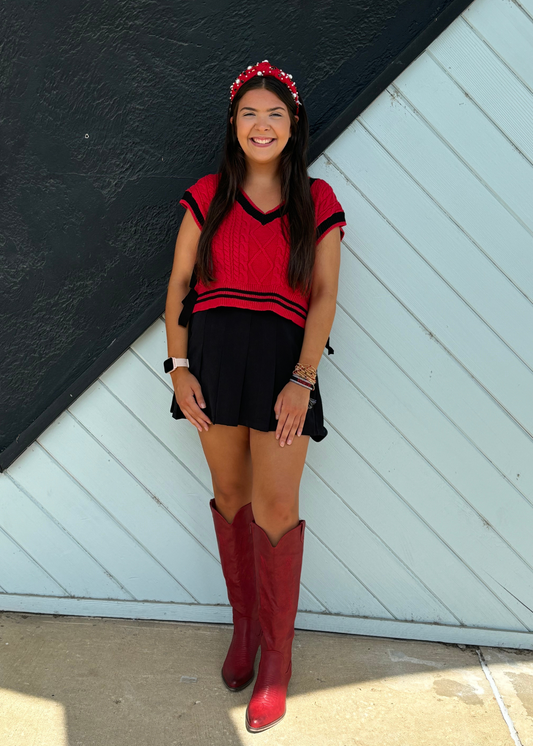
point(419, 503)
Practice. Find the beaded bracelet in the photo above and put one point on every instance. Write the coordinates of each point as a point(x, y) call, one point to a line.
point(306, 381)
point(300, 382)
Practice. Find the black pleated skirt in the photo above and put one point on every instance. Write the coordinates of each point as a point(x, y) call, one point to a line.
point(243, 359)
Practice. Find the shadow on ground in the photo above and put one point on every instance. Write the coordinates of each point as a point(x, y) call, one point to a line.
point(78, 681)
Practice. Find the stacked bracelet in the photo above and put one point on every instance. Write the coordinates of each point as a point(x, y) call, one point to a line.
point(305, 375)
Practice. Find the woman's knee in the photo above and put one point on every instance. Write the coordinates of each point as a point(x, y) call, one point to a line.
point(231, 495)
point(276, 517)
point(228, 493)
point(278, 511)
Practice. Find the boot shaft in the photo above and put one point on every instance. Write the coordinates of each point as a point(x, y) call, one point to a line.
point(235, 546)
point(278, 571)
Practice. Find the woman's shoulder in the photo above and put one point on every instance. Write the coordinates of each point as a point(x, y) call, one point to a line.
point(320, 187)
point(328, 210)
point(205, 186)
point(323, 195)
point(198, 197)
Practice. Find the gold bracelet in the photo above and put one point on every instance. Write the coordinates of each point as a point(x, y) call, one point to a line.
point(306, 366)
point(308, 372)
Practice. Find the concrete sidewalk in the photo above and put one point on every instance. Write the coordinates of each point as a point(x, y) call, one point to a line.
point(77, 681)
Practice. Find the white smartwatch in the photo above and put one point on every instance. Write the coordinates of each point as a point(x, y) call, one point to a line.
point(171, 363)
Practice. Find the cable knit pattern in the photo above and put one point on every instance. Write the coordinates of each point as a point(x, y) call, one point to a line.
point(250, 255)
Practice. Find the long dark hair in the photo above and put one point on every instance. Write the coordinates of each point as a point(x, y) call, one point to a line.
point(295, 190)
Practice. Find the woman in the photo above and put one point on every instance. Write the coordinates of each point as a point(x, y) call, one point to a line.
point(262, 241)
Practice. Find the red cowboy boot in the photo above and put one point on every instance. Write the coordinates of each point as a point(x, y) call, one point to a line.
point(235, 545)
point(278, 571)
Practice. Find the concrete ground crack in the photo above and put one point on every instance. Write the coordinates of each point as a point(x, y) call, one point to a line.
point(499, 699)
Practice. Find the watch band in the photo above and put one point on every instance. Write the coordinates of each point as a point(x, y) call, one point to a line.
point(171, 363)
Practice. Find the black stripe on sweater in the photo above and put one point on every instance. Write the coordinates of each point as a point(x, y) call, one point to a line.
point(252, 292)
point(337, 217)
point(255, 300)
point(193, 204)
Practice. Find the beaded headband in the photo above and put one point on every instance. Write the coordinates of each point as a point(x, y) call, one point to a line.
point(265, 68)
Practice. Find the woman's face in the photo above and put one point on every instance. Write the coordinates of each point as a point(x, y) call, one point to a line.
point(262, 124)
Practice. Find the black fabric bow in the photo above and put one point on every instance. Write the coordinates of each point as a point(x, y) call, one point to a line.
point(188, 302)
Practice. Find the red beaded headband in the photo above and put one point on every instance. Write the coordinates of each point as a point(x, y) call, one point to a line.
point(265, 68)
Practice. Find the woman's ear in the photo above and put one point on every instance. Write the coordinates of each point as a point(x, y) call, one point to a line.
point(231, 120)
point(296, 117)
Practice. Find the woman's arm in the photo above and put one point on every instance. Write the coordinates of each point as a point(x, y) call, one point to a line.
point(186, 386)
point(323, 298)
point(178, 285)
point(292, 402)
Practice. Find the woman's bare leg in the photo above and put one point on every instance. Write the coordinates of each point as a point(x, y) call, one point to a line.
point(227, 451)
point(277, 473)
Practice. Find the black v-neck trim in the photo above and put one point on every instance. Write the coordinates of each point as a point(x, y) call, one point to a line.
point(263, 217)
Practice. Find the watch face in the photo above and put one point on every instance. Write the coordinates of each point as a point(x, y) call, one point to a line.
point(169, 364)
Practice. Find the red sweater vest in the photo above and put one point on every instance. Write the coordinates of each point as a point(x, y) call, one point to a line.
point(250, 255)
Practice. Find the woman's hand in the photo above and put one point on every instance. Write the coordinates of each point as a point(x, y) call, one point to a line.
point(188, 396)
point(291, 410)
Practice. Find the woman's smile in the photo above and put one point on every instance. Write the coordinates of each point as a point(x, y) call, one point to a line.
point(262, 142)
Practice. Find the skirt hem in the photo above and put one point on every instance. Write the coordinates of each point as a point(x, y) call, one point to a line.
point(177, 414)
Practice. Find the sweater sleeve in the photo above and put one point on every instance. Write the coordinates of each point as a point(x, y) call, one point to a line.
point(197, 197)
point(328, 210)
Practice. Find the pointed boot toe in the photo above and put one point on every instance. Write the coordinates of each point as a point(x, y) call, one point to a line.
point(267, 705)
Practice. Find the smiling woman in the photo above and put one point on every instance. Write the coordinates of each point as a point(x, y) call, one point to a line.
point(262, 241)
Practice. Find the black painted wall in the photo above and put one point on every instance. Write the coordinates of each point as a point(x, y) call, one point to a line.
point(108, 112)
